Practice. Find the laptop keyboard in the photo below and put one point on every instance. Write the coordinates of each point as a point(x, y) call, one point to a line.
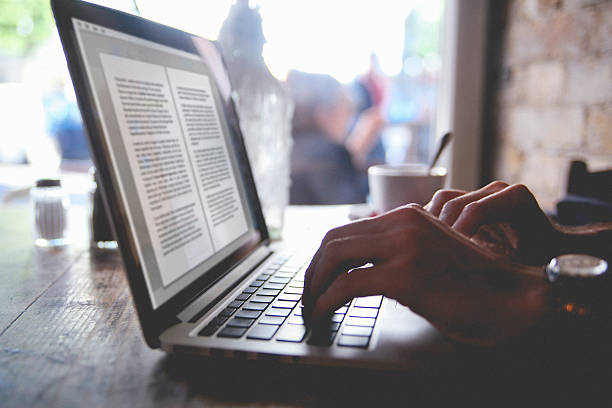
point(270, 309)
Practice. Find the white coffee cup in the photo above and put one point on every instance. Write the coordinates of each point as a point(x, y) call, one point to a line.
point(395, 185)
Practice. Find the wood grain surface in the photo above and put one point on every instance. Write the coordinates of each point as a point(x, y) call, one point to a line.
point(69, 337)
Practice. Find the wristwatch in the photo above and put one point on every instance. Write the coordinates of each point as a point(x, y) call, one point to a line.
point(578, 285)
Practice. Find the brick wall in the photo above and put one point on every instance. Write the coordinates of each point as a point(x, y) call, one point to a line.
point(554, 101)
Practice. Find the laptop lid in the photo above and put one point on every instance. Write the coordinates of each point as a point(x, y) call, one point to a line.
point(169, 154)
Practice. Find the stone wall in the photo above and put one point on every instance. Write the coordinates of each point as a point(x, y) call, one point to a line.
point(554, 99)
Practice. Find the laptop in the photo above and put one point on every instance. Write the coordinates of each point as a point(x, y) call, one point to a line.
point(172, 165)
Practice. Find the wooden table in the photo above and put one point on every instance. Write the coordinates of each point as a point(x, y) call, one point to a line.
point(69, 337)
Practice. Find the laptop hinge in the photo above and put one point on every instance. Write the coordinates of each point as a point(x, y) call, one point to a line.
point(239, 272)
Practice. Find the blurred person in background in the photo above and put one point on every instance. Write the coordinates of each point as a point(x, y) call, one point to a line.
point(329, 159)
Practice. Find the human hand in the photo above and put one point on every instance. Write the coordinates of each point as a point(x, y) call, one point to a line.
point(505, 219)
point(468, 293)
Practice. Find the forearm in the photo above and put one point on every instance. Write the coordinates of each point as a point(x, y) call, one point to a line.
point(358, 148)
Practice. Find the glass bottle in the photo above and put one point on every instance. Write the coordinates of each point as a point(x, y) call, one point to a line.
point(265, 110)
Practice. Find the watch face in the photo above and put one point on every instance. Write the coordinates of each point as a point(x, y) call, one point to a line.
point(577, 266)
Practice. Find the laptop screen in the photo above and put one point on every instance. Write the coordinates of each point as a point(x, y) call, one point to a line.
point(177, 172)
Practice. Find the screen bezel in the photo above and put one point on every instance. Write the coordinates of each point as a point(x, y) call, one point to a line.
point(153, 321)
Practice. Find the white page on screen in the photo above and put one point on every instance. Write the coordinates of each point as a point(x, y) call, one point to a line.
point(208, 154)
point(157, 155)
point(177, 173)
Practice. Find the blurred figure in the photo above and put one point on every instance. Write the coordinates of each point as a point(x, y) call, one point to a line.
point(372, 90)
point(328, 162)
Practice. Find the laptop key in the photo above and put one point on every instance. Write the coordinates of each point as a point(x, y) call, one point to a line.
point(293, 269)
point(238, 322)
point(294, 291)
point(275, 279)
point(262, 332)
point(232, 332)
point(292, 333)
point(257, 283)
point(357, 331)
point(275, 311)
point(341, 310)
point(263, 276)
point(219, 320)
point(280, 274)
point(248, 314)
point(353, 341)
point(295, 320)
point(236, 304)
point(274, 286)
point(321, 338)
point(337, 317)
point(228, 311)
point(363, 312)
point(255, 306)
point(243, 296)
point(360, 321)
point(268, 292)
point(208, 330)
point(368, 301)
point(283, 304)
point(276, 320)
point(250, 289)
point(291, 297)
point(262, 299)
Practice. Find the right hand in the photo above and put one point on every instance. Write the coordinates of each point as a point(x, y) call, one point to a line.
point(503, 218)
point(411, 256)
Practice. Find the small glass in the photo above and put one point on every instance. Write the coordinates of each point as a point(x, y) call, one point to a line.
point(50, 204)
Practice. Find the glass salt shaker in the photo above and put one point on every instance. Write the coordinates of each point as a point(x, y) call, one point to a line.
point(50, 204)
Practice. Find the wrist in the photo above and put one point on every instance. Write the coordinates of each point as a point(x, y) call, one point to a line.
point(588, 239)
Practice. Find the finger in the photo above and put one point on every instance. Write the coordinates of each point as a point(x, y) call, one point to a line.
point(382, 223)
point(512, 204)
point(344, 254)
point(359, 282)
point(440, 198)
point(361, 227)
point(452, 209)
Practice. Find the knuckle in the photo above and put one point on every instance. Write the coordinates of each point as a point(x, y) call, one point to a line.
point(332, 234)
point(451, 207)
point(473, 208)
point(522, 194)
point(408, 212)
point(520, 189)
point(332, 246)
point(326, 257)
point(441, 196)
point(497, 184)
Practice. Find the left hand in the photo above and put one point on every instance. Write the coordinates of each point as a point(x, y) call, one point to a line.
point(468, 293)
point(502, 218)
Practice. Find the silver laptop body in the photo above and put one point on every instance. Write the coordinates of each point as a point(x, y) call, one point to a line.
point(177, 184)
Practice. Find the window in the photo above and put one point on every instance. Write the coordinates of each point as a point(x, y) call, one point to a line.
point(395, 44)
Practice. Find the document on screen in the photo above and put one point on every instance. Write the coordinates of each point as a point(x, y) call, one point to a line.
point(171, 132)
